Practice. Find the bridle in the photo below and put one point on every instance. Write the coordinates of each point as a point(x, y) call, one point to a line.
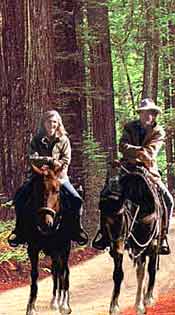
point(47, 210)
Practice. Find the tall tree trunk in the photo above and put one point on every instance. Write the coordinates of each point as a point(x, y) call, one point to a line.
point(12, 96)
point(69, 74)
point(156, 47)
point(151, 50)
point(101, 77)
point(27, 81)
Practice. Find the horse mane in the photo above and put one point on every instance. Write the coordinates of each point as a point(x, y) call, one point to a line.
point(138, 189)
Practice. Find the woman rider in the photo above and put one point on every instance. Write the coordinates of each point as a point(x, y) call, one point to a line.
point(51, 140)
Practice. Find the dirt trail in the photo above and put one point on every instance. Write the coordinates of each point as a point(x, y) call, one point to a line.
point(91, 286)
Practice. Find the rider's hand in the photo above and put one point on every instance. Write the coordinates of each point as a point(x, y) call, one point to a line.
point(57, 163)
point(49, 159)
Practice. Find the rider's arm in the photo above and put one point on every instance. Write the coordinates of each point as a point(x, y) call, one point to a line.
point(150, 150)
point(61, 152)
point(125, 145)
point(145, 153)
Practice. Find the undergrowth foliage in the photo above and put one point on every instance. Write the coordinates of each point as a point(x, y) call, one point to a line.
point(6, 252)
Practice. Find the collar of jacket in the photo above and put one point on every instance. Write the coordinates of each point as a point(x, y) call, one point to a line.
point(138, 124)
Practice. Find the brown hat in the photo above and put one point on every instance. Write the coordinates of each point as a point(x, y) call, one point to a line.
point(148, 104)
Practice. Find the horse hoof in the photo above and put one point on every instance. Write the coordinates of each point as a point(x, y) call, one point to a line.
point(30, 311)
point(65, 310)
point(115, 311)
point(54, 305)
point(149, 301)
point(140, 311)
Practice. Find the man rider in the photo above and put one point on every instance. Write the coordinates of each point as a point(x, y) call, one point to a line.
point(140, 143)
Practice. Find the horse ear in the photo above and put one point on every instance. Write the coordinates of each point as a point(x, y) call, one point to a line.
point(37, 169)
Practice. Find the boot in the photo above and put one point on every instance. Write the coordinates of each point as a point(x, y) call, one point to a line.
point(17, 236)
point(101, 240)
point(79, 235)
point(164, 246)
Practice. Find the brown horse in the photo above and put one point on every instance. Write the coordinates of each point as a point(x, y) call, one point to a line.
point(135, 226)
point(47, 231)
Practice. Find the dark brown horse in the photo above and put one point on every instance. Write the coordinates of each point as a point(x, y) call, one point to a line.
point(135, 226)
point(46, 230)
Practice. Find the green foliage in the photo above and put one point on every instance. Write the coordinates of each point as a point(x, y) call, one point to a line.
point(6, 226)
point(94, 154)
point(128, 23)
point(19, 254)
point(7, 253)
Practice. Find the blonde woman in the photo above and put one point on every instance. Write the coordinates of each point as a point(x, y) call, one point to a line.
point(51, 141)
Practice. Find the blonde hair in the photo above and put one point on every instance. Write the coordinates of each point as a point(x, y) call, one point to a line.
point(48, 114)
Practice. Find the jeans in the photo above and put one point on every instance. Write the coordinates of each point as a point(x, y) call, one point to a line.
point(169, 201)
point(71, 197)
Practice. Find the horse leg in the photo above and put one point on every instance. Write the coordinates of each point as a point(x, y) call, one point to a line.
point(149, 300)
point(33, 254)
point(141, 277)
point(64, 306)
point(117, 278)
point(60, 271)
point(54, 302)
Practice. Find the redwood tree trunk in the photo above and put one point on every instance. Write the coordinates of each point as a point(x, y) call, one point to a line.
point(151, 50)
point(27, 81)
point(69, 75)
point(101, 77)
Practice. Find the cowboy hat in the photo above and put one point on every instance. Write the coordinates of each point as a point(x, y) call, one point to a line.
point(148, 104)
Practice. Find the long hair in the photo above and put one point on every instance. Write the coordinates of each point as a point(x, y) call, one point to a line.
point(48, 114)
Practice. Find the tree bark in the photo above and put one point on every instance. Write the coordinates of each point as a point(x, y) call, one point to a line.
point(101, 77)
point(69, 74)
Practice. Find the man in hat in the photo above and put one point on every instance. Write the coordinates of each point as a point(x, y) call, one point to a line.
point(140, 143)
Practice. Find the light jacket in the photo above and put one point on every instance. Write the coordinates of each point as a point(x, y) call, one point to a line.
point(59, 148)
point(142, 148)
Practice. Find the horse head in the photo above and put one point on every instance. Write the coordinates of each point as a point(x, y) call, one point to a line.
point(50, 208)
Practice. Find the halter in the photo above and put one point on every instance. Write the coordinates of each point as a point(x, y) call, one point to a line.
point(47, 210)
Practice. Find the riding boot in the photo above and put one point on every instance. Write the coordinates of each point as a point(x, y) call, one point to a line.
point(164, 246)
point(101, 239)
point(79, 235)
point(17, 236)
